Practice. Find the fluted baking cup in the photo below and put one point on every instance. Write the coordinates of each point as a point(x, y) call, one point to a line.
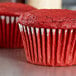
point(9, 32)
point(51, 47)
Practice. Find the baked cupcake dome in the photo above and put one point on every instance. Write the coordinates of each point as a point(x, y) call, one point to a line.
point(9, 32)
point(49, 36)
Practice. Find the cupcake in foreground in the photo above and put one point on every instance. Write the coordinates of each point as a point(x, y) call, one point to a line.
point(9, 33)
point(49, 36)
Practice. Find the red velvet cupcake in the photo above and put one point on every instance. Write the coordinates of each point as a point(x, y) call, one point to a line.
point(9, 33)
point(49, 36)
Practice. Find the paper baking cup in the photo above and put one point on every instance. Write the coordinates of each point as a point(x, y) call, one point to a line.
point(9, 33)
point(51, 47)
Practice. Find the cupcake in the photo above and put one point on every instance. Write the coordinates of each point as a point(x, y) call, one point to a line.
point(9, 32)
point(49, 36)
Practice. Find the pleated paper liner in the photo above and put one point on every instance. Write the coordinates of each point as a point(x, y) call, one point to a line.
point(51, 47)
point(9, 32)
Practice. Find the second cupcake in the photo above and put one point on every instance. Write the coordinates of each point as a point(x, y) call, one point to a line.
point(9, 33)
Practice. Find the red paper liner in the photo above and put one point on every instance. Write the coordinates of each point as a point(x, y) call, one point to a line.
point(51, 47)
point(9, 32)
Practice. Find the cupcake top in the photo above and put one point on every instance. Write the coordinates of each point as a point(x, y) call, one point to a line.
point(49, 18)
point(14, 8)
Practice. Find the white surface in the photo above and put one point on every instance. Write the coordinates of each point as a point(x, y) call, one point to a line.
point(46, 4)
point(12, 63)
